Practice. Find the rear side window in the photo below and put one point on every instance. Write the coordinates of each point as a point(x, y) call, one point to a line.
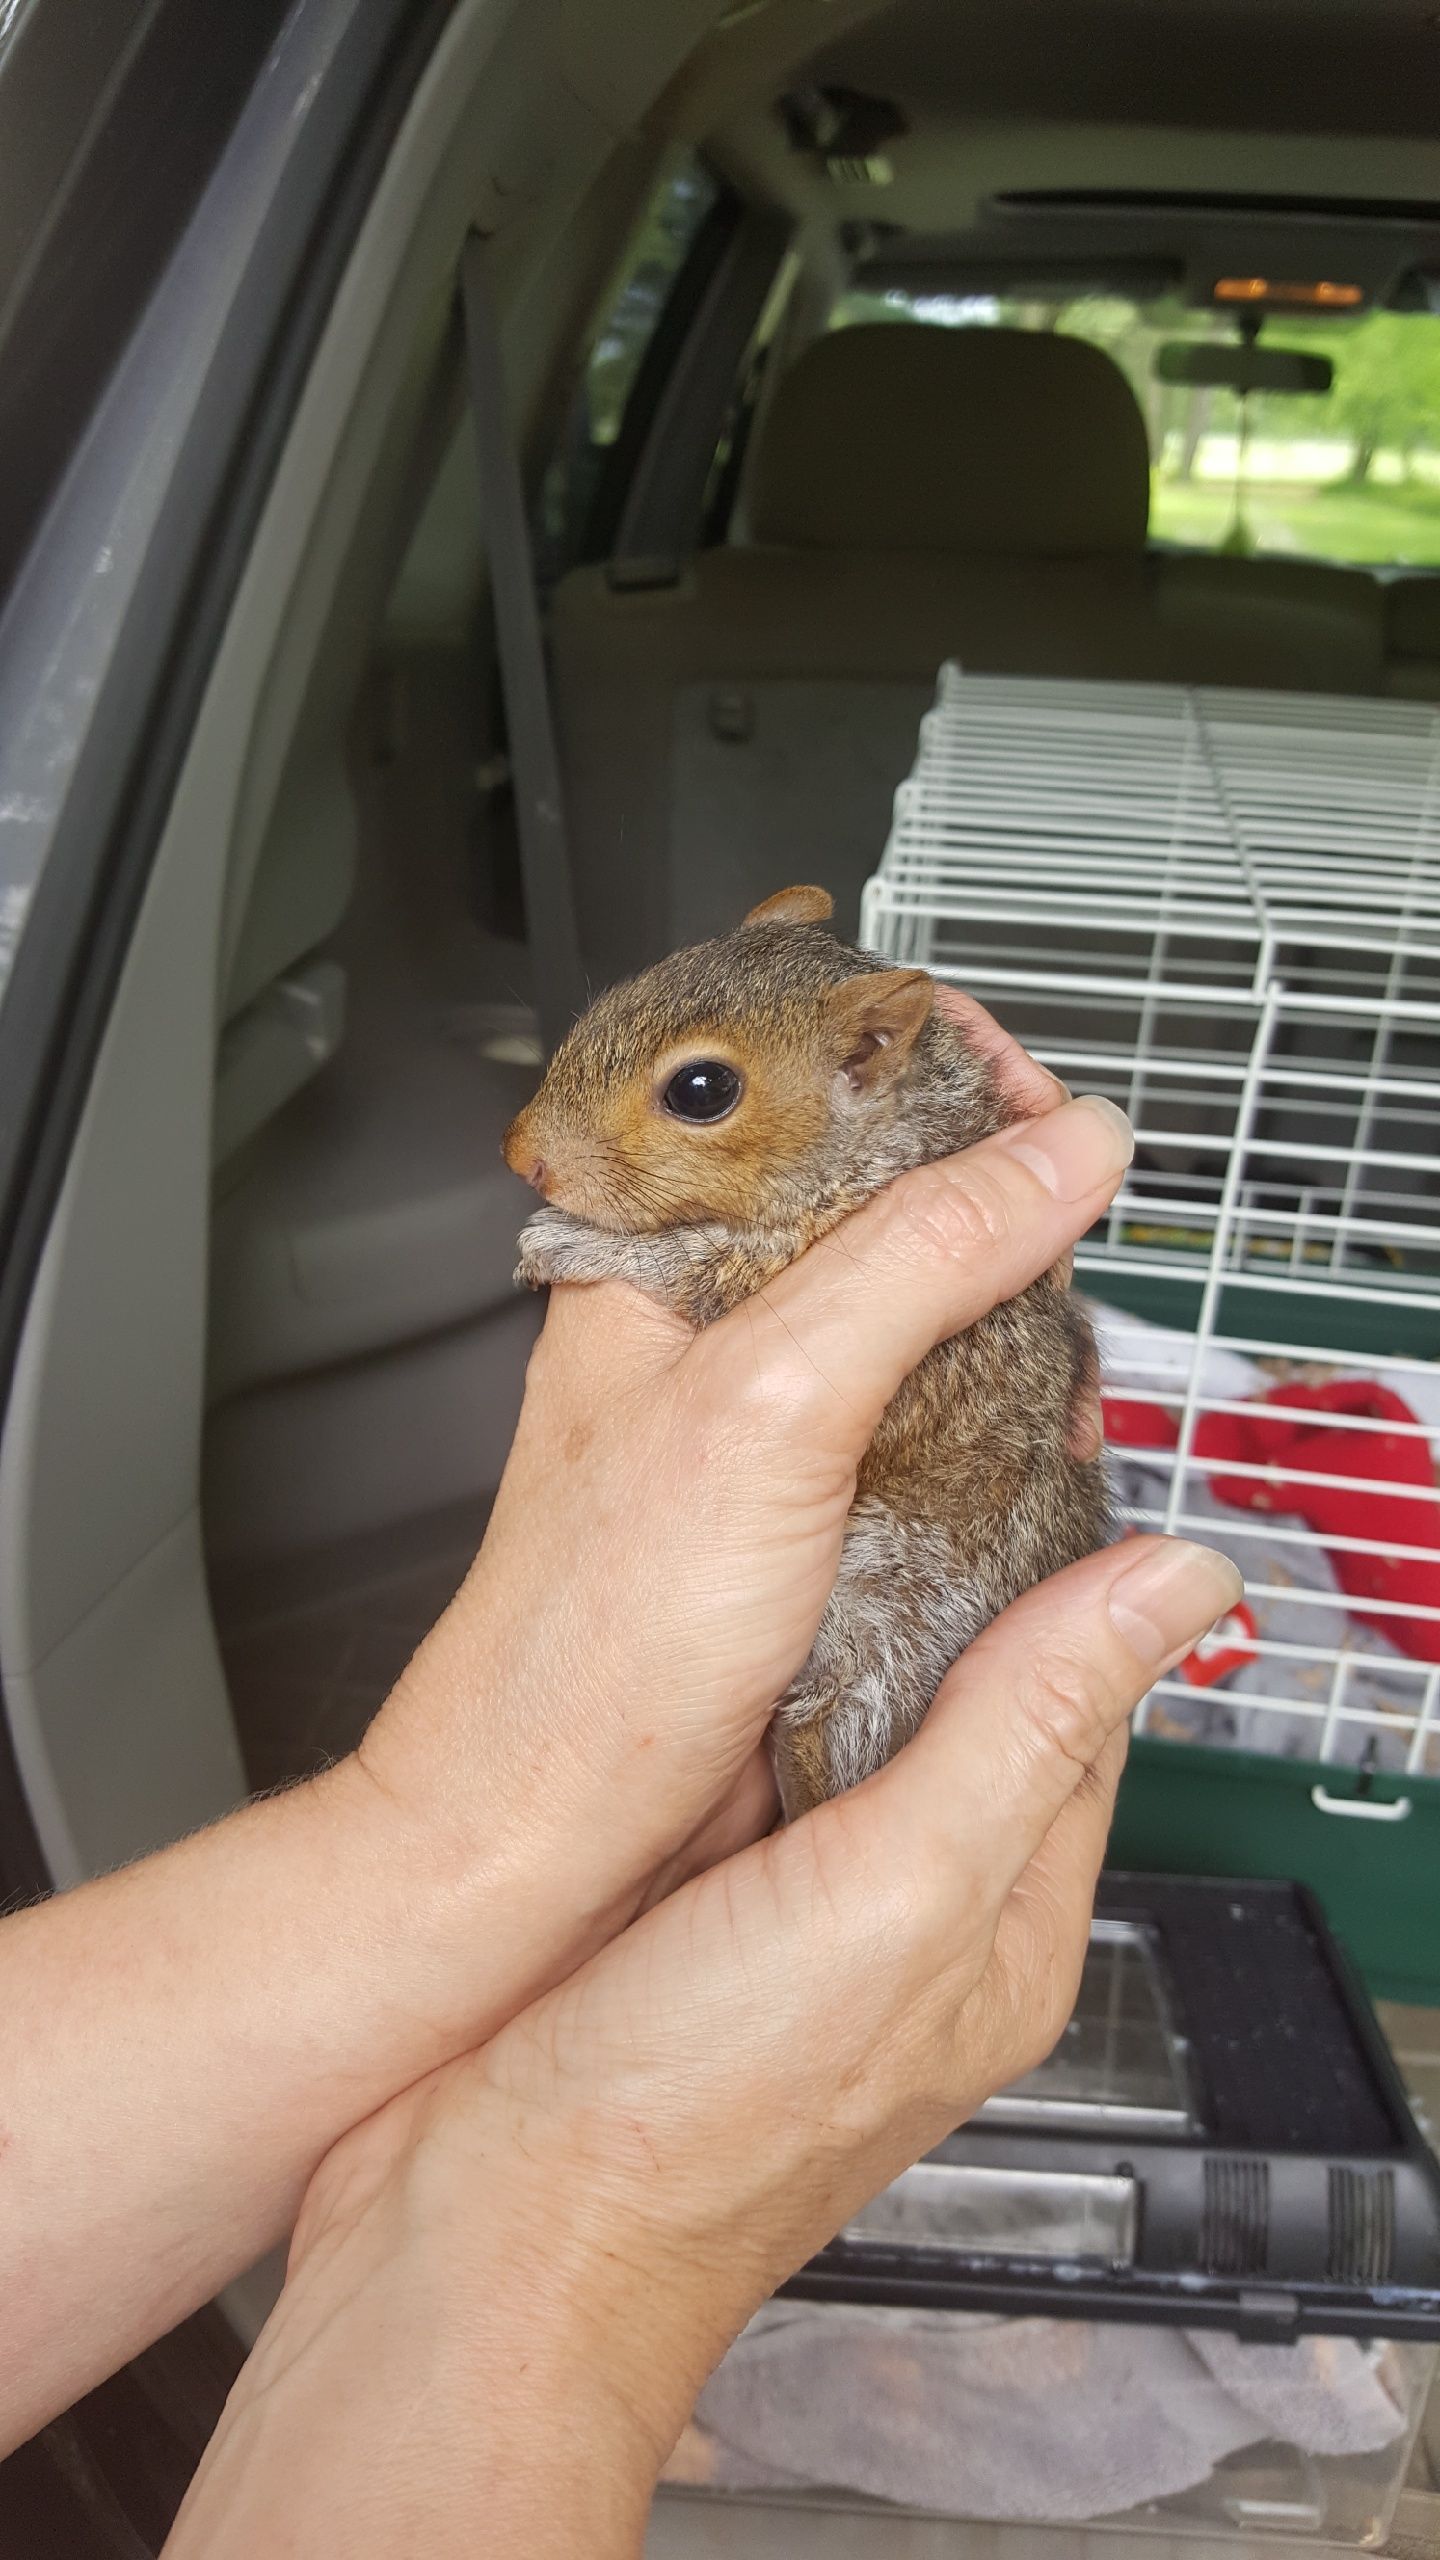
point(1352, 474)
point(572, 520)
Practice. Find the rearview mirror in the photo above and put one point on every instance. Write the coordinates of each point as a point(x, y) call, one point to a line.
point(1232, 366)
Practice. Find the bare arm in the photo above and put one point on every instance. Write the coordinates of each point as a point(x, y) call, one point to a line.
point(184, 2041)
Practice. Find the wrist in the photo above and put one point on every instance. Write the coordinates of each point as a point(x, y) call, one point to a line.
point(447, 2346)
point(479, 1890)
point(405, 2388)
point(518, 1857)
point(557, 2224)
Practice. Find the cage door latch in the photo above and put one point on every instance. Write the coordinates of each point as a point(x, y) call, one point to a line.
point(1365, 1808)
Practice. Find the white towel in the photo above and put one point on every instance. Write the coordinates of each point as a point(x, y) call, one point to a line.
point(1038, 2421)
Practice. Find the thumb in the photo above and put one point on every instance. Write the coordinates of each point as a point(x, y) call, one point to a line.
point(1018, 1726)
point(935, 1250)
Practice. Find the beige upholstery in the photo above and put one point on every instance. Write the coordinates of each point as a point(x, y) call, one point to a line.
point(918, 494)
point(857, 613)
point(983, 441)
point(1293, 626)
point(283, 1004)
point(301, 886)
point(1412, 637)
point(749, 621)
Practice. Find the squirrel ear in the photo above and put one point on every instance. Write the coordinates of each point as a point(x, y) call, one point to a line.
point(793, 906)
point(877, 1020)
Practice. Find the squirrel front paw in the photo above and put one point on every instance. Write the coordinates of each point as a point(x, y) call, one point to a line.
point(678, 1267)
point(556, 1246)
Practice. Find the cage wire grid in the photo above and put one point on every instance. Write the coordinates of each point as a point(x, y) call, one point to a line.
point(1222, 909)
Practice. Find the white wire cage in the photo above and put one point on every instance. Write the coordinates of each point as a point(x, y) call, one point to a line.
point(1222, 909)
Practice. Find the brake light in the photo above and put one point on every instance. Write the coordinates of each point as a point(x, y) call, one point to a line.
point(1314, 297)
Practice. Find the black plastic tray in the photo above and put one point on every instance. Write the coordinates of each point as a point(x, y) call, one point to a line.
point(1282, 2187)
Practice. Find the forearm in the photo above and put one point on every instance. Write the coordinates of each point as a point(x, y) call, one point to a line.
point(185, 2040)
point(416, 2394)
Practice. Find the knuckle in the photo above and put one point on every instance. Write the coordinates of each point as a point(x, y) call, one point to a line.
point(1038, 1985)
point(1028, 2024)
point(1069, 1704)
point(758, 1380)
point(728, 1416)
point(955, 1209)
point(1045, 2010)
point(559, 1378)
point(711, 1441)
point(1039, 2024)
point(542, 1367)
point(775, 1400)
point(1087, 1426)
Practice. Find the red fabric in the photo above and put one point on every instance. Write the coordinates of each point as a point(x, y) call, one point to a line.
point(1131, 1423)
point(1228, 1646)
point(1370, 1459)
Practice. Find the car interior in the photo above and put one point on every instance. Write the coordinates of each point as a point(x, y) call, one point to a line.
point(829, 334)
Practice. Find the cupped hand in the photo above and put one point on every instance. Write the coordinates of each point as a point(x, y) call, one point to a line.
point(670, 1520)
point(579, 2218)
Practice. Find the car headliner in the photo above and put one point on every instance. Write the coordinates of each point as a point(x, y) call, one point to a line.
point(1228, 98)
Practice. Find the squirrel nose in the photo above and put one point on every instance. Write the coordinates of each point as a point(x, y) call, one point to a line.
point(522, 1158)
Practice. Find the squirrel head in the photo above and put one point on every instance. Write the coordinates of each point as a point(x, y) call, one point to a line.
point(726, 1083)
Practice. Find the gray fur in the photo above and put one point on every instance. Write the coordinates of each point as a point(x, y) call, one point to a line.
point(873, 1668)
point(968, 1494)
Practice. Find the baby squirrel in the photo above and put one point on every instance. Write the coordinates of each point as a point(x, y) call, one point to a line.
point(703, 1124)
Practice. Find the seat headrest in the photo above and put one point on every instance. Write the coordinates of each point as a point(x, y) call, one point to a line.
point(907, 437)
point(1412, 616)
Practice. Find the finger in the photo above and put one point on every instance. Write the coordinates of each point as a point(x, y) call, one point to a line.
point(1021, 1078)
point(1057, 1887)
point(608, 1329)
point(1044, 1925)
point(933, 1251)
point(1085, 1437)
point(616, 1323)
point(1021, 1722)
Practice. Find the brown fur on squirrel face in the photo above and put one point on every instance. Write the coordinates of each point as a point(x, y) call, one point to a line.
point(703, 1124)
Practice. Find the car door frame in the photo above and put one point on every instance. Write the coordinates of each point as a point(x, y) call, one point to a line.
point(108, 2476)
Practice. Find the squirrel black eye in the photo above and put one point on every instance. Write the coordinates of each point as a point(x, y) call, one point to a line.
point(706, 1089)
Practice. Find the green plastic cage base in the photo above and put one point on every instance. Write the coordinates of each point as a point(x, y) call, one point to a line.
point(1369, 1331)
point(1187, 1810)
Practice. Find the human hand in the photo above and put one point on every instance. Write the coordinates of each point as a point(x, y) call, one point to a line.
point(671, 1517)
point(583, 1726)
point(570, 2226)
point(1032, 1089)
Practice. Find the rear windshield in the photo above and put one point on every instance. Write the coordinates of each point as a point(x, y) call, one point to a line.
point(1351, 474)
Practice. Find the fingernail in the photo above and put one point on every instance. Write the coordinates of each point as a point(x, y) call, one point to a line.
point(1165, 1600)
point(1075, 1149)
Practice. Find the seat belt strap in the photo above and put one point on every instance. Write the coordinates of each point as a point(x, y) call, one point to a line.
point(559, 977)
